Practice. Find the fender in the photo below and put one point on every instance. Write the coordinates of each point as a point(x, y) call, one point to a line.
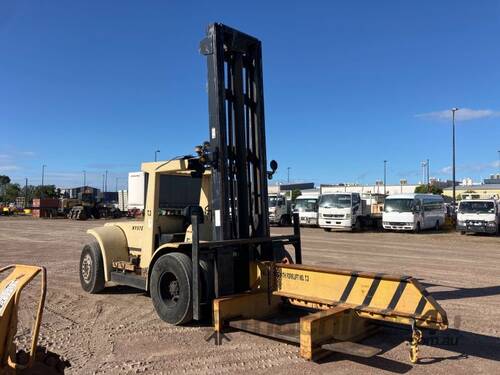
point(181, 247)
point(113, 244)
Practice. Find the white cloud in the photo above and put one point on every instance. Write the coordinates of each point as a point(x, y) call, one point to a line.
point(8, 168)
point(471, 168)
point(463, 114)
point(446, 170)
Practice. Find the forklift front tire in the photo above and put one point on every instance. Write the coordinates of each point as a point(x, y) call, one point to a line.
point(171, 288)
point(92, 268)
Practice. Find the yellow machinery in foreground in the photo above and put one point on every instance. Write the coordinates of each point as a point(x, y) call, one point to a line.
point(340, 307)
point(10, 294)
point(206, 245)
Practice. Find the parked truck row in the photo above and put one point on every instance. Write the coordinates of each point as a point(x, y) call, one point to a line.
point(349, 211)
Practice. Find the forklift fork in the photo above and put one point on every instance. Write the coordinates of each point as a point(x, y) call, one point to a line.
point(10, 294)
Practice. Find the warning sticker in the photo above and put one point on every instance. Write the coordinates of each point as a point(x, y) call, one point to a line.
point(6, 294)
point(291, 276)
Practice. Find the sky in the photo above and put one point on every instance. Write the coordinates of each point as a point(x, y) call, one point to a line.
point(101, 85)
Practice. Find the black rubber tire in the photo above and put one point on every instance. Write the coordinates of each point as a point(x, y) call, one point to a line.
point(417, 228)
point(171, 288)
point(92, 277)
point(327, 229)
point(281, 255)
point(282, 221)
point(436, 227)
point(462, 232)
point(357, 226)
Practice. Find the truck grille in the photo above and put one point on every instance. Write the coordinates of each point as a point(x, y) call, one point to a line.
point(333, 216)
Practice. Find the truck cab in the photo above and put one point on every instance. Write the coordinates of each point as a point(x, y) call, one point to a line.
point(306, 206)
point(478, 216)
point(280, 209)
point(342, 211)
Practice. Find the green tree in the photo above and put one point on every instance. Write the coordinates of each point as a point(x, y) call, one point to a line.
point(45, 191)
point(12, 191)
point(4, 180)
point(428, 189)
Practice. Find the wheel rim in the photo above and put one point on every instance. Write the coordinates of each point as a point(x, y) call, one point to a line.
point(169, 289)
point(86, 268)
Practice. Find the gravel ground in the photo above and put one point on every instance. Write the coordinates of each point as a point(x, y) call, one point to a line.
point(118, 332)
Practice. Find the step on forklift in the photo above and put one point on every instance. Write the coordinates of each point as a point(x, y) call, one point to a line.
point(217, 258)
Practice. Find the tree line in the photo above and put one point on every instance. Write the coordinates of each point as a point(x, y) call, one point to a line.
point(9, 191)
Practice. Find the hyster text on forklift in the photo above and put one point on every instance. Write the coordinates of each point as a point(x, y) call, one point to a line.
point(218, 258)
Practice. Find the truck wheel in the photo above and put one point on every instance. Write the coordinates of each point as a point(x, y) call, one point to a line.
point(417, 227)
point(436, 227)
point(283, 221)
point(462, 232)
point(92, 268)
point(171, 288)
point(357, 225)
point(281, 255)
point(327, 229)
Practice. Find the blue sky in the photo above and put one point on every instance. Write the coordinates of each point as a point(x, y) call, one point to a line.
point(96, 85)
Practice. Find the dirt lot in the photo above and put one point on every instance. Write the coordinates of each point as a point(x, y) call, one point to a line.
point(119, 332)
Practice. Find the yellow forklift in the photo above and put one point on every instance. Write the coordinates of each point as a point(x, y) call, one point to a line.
point(216, 258)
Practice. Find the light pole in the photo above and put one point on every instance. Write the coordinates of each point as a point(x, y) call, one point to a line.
point(156, 154)
point(84, 179)
point(43, 174)
point(116, 182)
point(422, 164)
point(453, 110)
point(106, 182)
point(288, 174)
point(26, 193)
point(499, 161)
point(428, 175)
point(402, 182)
point(385, 177)
point(43, 177)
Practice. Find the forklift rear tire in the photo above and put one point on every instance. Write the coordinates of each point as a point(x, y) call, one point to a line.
point(92, 268)
point(171, 288)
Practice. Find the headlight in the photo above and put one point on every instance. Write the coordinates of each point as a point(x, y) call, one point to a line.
point(347, 216)
point(491, 223)
point(461, 222)
point(385, 223)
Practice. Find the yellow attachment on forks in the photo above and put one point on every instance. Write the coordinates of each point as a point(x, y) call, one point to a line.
point(343, 304)
point(10, 293)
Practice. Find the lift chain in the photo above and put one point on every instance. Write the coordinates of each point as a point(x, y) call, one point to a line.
point(416, 340)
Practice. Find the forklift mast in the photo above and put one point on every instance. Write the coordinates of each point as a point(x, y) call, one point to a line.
point(237, 134)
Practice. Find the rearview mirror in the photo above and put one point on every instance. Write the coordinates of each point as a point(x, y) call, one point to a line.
point(274, 166)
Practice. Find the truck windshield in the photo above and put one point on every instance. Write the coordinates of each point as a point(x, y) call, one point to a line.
point(398, 205)
point(305, 205)
point(273, 201)
point(476, 207)
point(335, 201)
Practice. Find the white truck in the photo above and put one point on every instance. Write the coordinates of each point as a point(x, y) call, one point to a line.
point(306, 206)
point(344, 211)
point(479, 216)
point(280, 210)
point(413, 212)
